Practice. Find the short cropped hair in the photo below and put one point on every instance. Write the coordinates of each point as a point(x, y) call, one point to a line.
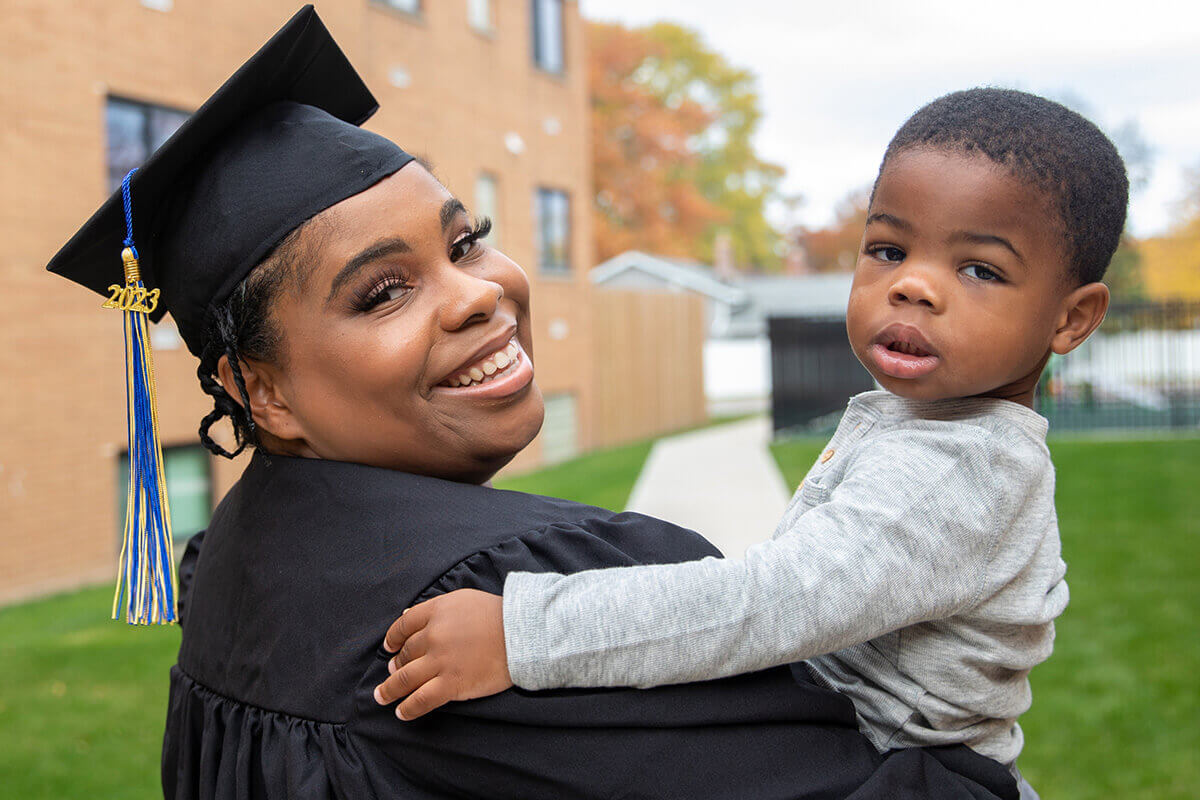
point(1042, 143)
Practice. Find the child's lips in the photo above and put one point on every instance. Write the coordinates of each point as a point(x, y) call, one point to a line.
point(902, 351)
point(902, 365)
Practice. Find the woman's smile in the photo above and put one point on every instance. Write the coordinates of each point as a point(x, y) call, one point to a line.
point(498, 374)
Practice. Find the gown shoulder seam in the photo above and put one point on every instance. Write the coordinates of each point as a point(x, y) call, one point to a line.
point(205, 689)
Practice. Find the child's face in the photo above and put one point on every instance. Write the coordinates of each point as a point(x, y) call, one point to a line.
point(960, 287)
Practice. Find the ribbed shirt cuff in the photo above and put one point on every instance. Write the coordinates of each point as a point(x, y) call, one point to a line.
point(525, 628)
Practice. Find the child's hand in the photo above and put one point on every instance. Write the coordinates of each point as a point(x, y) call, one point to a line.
point(450, 648)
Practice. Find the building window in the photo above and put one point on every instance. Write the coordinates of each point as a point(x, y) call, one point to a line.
point(487, 203)
point(407, 6)
point(553, 214)
point(134, 131)
point(188, 474)
point(560, 437)
point(479, 15)
point(548, 34)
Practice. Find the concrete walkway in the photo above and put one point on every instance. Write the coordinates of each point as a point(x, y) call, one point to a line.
point(720, 481)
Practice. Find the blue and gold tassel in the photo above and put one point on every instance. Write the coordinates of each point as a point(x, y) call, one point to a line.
point(146, 582)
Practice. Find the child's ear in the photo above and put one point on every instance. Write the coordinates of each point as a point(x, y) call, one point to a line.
point(1081, 313)
point(268, 405)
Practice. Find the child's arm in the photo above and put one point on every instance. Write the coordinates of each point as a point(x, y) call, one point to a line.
point(906, 537)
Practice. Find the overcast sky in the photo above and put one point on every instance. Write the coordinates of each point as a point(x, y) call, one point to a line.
point(837, 77)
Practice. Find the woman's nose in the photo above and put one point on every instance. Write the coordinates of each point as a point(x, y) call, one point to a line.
point(914, 286)
point(469, 299)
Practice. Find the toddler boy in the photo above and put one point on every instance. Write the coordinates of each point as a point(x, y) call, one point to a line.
point(918, 567)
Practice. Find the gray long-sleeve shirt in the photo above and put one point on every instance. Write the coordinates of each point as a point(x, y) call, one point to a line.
point(917, 568)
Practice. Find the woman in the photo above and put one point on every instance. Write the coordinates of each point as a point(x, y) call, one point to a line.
point(350, 323)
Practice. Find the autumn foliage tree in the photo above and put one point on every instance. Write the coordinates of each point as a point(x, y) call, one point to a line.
point(673, 162)
point(834, 248)
point(1171, 263)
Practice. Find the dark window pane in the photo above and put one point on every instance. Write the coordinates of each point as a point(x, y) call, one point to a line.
point(548, 34)
point(163, 123)
point(134, 131)
point(125, 125)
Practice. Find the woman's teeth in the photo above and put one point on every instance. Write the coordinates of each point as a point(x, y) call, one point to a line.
point(488, 368)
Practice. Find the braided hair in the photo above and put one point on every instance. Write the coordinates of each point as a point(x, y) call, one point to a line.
point(243, 327)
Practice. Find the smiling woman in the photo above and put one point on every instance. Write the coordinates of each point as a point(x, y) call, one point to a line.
point(418, 303)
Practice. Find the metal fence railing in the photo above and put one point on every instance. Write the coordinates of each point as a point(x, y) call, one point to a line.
point(1139, 370)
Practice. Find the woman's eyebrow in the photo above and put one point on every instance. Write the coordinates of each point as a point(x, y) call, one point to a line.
point(451, 209)
point(378, 250)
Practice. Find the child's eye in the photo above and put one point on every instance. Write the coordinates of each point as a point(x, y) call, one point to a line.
point(887, 253)
point(982, 273)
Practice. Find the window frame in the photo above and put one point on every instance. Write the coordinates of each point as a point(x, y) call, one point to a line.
point(416, 14)
point(496, 237)
point(563, 270)
point(490, 29)
point(122, 467)
point(147, 111)
point(536, 23)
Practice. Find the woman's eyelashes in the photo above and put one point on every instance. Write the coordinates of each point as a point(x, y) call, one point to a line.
point(388, 287)
point(468, 242)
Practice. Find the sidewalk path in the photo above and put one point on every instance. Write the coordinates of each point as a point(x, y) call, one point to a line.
point(721, 482)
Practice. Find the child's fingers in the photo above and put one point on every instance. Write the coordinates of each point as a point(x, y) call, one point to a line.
point(429, 696)
point(413, 648)
point(405, 681)
point(410, 621)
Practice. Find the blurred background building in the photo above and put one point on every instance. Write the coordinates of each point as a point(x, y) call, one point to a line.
point(492, 92)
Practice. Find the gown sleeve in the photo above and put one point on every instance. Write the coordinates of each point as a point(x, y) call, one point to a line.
point(187, 571)
point(768, 734)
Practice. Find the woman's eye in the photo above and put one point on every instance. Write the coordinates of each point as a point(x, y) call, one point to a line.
point(463, 247)
point(887, 253)
point(980, 272)
point(392, 290)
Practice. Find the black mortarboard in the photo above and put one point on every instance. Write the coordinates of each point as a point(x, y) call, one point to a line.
point(278, 143)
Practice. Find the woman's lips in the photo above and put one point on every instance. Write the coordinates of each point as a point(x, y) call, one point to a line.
point(494, 380)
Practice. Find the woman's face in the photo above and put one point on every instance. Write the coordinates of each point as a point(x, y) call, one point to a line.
point(397, 308)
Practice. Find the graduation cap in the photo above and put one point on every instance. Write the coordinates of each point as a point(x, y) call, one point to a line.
point(277, 144)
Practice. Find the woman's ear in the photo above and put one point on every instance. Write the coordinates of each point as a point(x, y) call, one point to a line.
point(1081, 313)
point(268, 406)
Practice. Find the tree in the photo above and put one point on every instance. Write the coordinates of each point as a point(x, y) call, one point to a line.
point(672, 124)
point(1171, 262)
point(643, 163)
point(835, 248)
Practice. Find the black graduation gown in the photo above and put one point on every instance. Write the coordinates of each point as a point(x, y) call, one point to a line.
point(307, 562)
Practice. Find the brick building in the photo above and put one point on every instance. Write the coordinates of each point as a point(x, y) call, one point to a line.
point(492, 92)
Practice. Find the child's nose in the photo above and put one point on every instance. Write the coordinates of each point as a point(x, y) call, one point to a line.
point(913, 287)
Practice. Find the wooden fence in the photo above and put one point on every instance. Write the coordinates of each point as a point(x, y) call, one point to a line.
point(648, 363)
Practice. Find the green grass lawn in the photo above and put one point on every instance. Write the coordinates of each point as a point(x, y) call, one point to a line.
point(1116, 709)
point(82, 699)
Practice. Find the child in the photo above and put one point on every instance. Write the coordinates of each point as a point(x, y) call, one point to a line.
point(918, 567)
